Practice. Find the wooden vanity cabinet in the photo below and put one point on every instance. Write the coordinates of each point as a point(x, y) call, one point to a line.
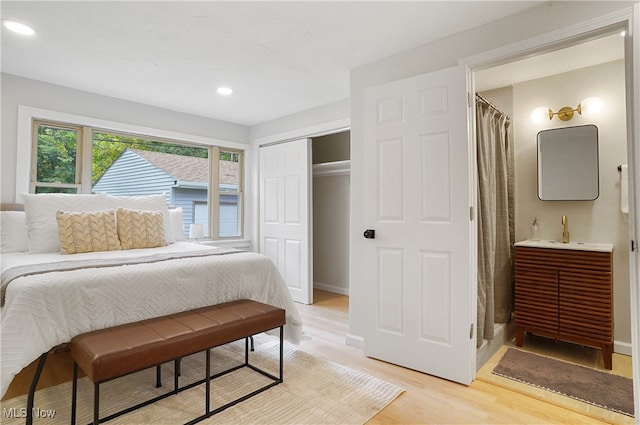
point(565, 294)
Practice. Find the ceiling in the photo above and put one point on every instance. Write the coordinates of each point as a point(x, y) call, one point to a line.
point(279, 57)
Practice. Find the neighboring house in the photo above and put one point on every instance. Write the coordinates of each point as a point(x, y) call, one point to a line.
point(184, 179)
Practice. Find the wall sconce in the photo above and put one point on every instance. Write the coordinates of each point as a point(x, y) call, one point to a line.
point(589, 107)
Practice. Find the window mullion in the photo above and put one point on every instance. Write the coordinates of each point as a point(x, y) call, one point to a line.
point(85, 159)
point(214, 192)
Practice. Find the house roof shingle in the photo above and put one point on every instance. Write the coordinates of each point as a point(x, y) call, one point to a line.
point(190, 168)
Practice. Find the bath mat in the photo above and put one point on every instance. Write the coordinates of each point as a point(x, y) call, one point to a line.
point(602, 389)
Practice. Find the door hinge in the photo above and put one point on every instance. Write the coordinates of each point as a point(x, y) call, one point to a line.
point(471, 332)
point(633, 245)
point(469, 99)
point(471, 214)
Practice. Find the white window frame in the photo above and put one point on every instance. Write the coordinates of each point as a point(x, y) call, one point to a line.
point(27, 144)
point(82, 133)
point(215, 187)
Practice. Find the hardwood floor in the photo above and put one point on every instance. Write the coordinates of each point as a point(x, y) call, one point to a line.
point(426, 399)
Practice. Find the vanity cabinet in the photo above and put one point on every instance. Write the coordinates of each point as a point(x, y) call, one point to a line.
point(565, 293)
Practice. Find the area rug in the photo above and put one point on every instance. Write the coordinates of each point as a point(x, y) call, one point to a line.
point(314, 391)
point(605, 390)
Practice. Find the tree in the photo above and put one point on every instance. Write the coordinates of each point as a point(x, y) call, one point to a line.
point(56, 155)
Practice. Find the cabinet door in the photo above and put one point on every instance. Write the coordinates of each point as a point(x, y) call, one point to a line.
point(537, 298)
point(585, 304)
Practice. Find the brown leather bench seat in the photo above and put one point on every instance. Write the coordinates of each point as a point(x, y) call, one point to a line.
point(110, 353)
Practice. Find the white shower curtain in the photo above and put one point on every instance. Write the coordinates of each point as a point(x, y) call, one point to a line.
point(495, 218)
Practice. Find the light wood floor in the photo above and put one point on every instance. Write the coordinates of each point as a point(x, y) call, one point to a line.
point(426, 400)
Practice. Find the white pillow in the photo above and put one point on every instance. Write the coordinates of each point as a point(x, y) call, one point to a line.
point(14, 236)
point(41, 220)
point(177, 224)
point(145, 203)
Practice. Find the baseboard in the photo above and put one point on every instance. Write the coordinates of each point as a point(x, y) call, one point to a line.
point(331, 288)
point(355, 341)
point(622, 348)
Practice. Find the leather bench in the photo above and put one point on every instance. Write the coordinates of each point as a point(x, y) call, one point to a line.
point(114, 352)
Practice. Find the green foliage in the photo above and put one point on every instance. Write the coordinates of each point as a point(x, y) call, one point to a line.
point(56, 155)
point(229, 156)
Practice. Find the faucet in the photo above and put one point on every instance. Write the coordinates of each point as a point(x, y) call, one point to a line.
point(565, 229)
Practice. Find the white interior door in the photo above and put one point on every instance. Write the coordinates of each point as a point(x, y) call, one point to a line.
point(285, 207)
point(421, 295)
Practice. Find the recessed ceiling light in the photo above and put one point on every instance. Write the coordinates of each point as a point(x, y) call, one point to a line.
point(225, 91)
point(19, 28)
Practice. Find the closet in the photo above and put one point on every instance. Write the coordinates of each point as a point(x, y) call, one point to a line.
point(331, 191)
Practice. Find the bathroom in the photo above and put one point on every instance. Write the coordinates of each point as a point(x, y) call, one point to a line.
point(599, 221)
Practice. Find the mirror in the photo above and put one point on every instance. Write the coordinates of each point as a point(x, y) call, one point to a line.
point(568, 164)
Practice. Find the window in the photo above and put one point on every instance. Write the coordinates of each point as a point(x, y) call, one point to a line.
point(56, 165)
point(229, 193)
point(76, 159)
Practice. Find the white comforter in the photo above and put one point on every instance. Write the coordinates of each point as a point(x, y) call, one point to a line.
point(42, 311)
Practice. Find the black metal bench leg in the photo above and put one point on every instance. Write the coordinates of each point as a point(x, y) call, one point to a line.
point(176, 373)
point(253, 348)
point(74, 393)
point(96, 404)
point(158, 376)
point(32, 389)
point(246, 351)
point(281, 353)
point(207, 401)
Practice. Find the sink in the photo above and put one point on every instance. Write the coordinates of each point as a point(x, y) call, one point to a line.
point(582, 246)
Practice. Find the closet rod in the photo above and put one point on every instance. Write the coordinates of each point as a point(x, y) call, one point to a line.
point(482, 99)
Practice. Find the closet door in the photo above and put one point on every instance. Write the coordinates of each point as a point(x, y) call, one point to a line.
point(285, 207)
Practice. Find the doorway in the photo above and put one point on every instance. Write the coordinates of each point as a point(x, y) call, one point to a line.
point(564, 77)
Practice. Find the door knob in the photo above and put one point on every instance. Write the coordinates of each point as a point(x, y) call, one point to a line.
point(369, 234)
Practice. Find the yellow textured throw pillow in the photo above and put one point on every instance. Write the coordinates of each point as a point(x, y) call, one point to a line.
point(140, 229)
point(87, 231)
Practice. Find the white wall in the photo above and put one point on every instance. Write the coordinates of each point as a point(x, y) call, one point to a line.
point(20, 91)
point(304, 123)
point(599, 221)
point(331, 233)
point(444, 53)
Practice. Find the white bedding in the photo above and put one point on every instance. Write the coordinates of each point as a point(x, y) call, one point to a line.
point(42, 311)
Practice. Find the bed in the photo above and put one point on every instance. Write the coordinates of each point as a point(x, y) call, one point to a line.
point(48, 297)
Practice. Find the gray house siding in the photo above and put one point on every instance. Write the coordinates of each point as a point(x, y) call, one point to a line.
point(131, 175)
point(185, 198)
